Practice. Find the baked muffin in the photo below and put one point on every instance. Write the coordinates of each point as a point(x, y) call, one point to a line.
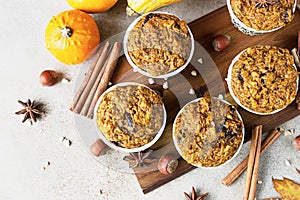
point(208, 132)
point(263, 79)
point(130, 116)
point(261, 15)
point(159, 43)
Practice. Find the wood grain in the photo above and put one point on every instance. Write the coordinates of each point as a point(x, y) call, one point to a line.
point(204, 30)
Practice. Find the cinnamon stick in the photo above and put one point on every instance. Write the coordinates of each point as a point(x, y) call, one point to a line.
point(256, 167)
point(238, 170)
point(253, 164)
point(86, 79)
point(92, 79)
point(298, 43)
point(91, 94)
point(298, 99)
point(110, 66)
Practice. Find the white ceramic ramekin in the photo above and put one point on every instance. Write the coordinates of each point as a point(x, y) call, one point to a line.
point(179, 150)
point(110, 143)
point(245, 29)
point(138, 69)
point(229, 83)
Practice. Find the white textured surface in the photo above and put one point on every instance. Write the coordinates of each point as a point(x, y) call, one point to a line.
point(73, 173)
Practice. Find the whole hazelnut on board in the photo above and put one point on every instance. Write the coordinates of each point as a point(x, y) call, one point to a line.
point(221, 42)
point(168, 163)
point(297, 142)
point(48, 77)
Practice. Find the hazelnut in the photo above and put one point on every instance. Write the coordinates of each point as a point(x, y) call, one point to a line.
point(297, 142)
point(168, 163)
point(98, 148)
point(221, 42)
point(48, 78)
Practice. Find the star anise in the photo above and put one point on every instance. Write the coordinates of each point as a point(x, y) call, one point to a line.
point(264, 3)
point(140, 159)
point(30, 110)
point(194, 195)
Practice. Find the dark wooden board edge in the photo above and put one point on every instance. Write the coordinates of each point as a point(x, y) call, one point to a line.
point(161, 179)
point(155, 178)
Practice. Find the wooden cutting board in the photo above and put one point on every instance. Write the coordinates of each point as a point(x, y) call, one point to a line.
point(204, 30)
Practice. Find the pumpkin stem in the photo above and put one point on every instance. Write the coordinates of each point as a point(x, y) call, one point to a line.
point(66, 32)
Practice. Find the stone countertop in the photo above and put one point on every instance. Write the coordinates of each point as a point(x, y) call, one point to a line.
point(73, 173)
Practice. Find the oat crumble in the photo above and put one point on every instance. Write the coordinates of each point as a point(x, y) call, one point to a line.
point(208, 132)
point(264, 78)
point(263, 18)
point(130, 116)
point(159, 43)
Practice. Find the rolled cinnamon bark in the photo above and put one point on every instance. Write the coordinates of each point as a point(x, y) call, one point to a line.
point(236, 172)
point(253, 163)
point(86, 78)
point(92, 79)
point(92, 92)
point(110, 66)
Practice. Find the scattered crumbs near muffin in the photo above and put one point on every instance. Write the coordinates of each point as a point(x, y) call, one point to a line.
point(288, 163)
point(194, 73)
point(191, 91)
point(165, 85)
point(47, 164)
point(220, 96)
point(67, 142)
point(109, 83)
point(65, 80)
point(259, 182)
point(200, 60)
point(100, 192)
point(280, 129)
point(289, 132)
point(151, 81)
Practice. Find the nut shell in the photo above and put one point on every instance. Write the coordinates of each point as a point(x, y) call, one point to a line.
point(48, 78)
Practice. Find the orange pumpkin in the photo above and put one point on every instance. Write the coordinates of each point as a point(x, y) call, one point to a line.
point(71, 36)
point(92, 6)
